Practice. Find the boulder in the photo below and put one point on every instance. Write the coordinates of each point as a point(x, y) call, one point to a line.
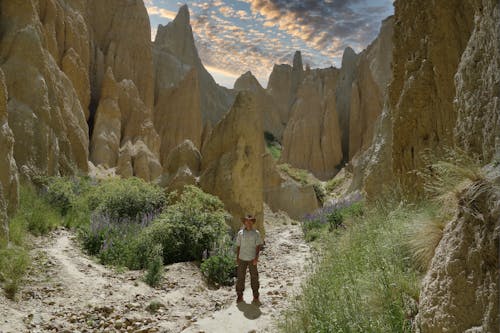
point(184, 155)
point(232, 164)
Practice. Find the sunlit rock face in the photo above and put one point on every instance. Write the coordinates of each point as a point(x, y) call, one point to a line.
point(60, 59)
point(232, 163)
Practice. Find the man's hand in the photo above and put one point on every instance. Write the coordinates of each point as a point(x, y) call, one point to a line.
point(254, 262)
point(237, 261)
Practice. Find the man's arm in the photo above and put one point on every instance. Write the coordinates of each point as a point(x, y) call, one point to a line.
point(238, 255)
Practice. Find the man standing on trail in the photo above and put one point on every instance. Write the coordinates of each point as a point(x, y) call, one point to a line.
point(248, 244)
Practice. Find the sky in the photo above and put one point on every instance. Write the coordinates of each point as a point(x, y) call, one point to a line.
point(235, 36)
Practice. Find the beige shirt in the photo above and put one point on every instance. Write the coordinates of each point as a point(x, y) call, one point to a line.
point(248, 240)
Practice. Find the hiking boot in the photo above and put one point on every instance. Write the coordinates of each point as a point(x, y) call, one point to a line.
point(239, 299)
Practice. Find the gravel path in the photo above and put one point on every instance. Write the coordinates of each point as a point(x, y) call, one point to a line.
point(66, 291)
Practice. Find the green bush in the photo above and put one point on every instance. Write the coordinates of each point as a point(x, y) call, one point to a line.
point(219, 269)
point(127, 199)
point(187, 228)
point(14, 262)
point(60, 194)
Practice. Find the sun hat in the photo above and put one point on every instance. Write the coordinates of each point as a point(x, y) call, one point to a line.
point(248, 217)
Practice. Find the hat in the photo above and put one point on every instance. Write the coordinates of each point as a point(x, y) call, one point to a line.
point(248, 217)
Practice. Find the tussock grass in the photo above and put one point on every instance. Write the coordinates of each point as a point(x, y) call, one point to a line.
point(445, 179)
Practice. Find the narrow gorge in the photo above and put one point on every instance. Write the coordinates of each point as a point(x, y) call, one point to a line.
point(120, 150)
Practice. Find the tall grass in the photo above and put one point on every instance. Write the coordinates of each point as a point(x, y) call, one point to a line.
point(365, 281)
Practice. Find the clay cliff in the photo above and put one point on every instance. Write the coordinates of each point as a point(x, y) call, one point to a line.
point(232, 163)
point(428, 43)
point(311, 139)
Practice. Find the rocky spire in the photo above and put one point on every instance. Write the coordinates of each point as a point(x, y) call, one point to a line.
point(297, 61)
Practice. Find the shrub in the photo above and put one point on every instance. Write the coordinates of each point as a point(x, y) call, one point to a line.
point(219, 269)
point(14, 262)
point(154, 273)
point(332, 184)
point(126, 199)
point(187, 228)
point(114, 243)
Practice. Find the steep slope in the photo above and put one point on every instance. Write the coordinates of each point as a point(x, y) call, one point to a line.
point(477, 85)
point(174, 45)
point(429, 39)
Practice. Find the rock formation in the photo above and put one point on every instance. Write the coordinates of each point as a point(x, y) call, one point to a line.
point(176, 42)
point(282, 193)
point(264, 103)
point(311, 139)
point(45, 114)
point(478, 84)
point(232, 164)
point(181, 167)
point(460, 291)
point(178, 116)
point(347, 75)
point(373, 74)
point(8, 170)
point(427, 51)
point(283, 85)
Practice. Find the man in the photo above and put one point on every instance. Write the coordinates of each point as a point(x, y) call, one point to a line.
point(248, 243)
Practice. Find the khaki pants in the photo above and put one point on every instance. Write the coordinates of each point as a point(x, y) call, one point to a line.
point(254, 278)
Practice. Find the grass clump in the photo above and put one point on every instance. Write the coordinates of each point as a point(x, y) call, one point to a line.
point(34, 214)
point(365, 281)
point(14, 262)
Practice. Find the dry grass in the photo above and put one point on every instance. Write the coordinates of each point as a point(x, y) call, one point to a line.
point(445, 181)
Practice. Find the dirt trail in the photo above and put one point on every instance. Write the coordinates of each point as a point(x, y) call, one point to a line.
point(66, 291)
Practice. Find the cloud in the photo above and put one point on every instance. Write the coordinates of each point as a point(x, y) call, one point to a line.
point(323, 23)
point(158, 11)
point(233, 36)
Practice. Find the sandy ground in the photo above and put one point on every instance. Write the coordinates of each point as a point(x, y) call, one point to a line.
point(67, 291)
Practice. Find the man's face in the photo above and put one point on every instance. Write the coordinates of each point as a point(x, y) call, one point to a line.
point(248, 224)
